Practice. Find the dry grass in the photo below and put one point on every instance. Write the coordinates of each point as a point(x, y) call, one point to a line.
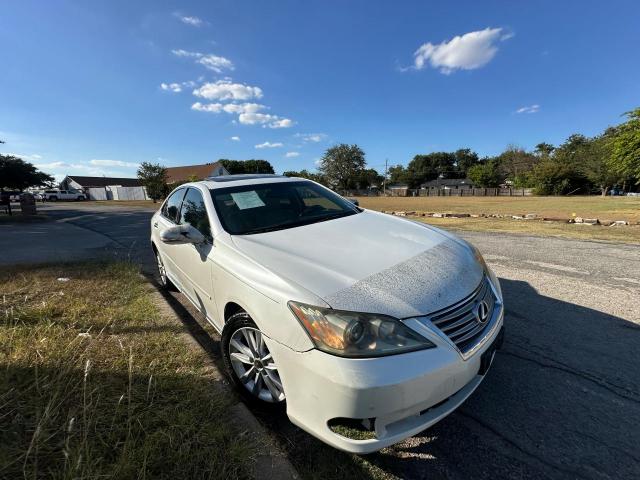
point(95, 382)
point(606, 209)
point(629, 234)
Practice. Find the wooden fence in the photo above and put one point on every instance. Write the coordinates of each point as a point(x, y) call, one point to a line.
point(473, 192)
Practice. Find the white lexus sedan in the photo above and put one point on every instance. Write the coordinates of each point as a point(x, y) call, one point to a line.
point(368, 328)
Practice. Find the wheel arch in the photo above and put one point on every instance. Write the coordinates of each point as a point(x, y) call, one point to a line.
point(231, 308)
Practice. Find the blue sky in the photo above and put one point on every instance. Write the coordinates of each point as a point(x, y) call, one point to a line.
point(95, 88)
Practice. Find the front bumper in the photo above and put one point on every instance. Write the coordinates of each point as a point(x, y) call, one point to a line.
point(400, 394)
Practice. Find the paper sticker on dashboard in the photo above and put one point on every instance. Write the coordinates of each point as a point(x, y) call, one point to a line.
point(246, 200)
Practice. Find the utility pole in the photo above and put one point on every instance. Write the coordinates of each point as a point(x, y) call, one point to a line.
point(384, 182)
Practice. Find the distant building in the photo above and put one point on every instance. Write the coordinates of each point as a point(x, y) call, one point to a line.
point(106, 188)
point(398, 189)
point(198, 172)
point(448, 184)
point(76, 182)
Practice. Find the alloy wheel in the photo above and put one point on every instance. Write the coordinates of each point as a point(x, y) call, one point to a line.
point(253, 364)
point(161, 270)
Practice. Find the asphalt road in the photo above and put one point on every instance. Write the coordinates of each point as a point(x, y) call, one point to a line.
point(562, 399)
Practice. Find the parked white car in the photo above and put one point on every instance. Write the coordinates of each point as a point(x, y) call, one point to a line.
point(55, 195)
point(368, 327)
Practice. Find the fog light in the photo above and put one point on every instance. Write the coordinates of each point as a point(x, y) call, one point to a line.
point(353, 428)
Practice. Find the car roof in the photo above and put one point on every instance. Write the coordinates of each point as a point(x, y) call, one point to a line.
point(245, 179)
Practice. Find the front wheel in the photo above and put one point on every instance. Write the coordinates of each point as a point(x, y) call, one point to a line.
point(249, 364)
point(162, 272)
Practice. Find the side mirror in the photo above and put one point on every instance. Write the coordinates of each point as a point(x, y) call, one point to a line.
point(354, 201)
point(181, 234)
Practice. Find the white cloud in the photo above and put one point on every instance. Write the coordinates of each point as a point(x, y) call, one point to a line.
point(243, 107)
point(60, 169)
point(466, 52)
point(292, 154)
point(248, 113)
point(529, 109)
point(238, 108)
point(311, 137)
point(227, 90)
point(269, 145)
point(215, 63)
point(29, 158)
point(177, 87)
point(51, 165)
point(113, 163)
point(207, 107)
point(208, 60)
point(264, 119)
point(172, 87)
point(235, 138)
point(191, 20)
point(183, 53)
point(280, 123)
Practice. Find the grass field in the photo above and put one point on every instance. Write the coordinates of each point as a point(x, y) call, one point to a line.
point(95, 382)
point(605, 209)
point(608, 208)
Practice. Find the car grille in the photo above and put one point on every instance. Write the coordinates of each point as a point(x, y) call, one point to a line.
point(466, 321)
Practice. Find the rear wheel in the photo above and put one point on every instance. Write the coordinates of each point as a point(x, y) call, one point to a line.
point(53, 198)
point(249, 363)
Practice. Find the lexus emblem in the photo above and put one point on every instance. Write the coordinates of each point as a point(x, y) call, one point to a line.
point(482, 312)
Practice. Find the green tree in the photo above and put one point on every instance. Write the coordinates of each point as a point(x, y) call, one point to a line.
point(247, 166)
point(625, 147)
point(465, 158)
point(316, 177)
point(154, 177)
point(397, 174)
point(514, 161)
point(544, 150)
point(589, 158)
point(342, 164)
point(423, 168)
point(368, 178)
point(550, 177)
point(485, 174)
point(17, 174)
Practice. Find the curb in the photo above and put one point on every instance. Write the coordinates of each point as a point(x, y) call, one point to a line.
point(270, 462)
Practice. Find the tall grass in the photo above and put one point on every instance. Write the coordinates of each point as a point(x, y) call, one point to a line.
point(96, 383)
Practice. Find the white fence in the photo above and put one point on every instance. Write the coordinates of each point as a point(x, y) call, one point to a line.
point(115, 192)
point(130, 193)
point(97, 193)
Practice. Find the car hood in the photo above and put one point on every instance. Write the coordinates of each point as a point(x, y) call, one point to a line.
point(370, 262)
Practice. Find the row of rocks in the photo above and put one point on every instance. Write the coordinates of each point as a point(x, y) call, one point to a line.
point(528, 216)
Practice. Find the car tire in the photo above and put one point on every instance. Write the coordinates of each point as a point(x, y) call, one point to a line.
point(164, 281)
point(249, 364)
point(53, 199)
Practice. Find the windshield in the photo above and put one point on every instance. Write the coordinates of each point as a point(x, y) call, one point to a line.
point(275, 206)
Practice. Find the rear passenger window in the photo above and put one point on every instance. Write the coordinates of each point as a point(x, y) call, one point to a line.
point(171, 207)
point(194, 212)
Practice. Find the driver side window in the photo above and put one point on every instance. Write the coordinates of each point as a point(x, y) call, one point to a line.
point(194, 212)
point(171, 207)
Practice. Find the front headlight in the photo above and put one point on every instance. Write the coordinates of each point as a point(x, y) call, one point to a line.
point(352, 334)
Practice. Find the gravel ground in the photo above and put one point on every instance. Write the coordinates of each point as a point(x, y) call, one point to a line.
point(562, 399)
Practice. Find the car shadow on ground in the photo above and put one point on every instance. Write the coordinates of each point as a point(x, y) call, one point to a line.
point(562, 400)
